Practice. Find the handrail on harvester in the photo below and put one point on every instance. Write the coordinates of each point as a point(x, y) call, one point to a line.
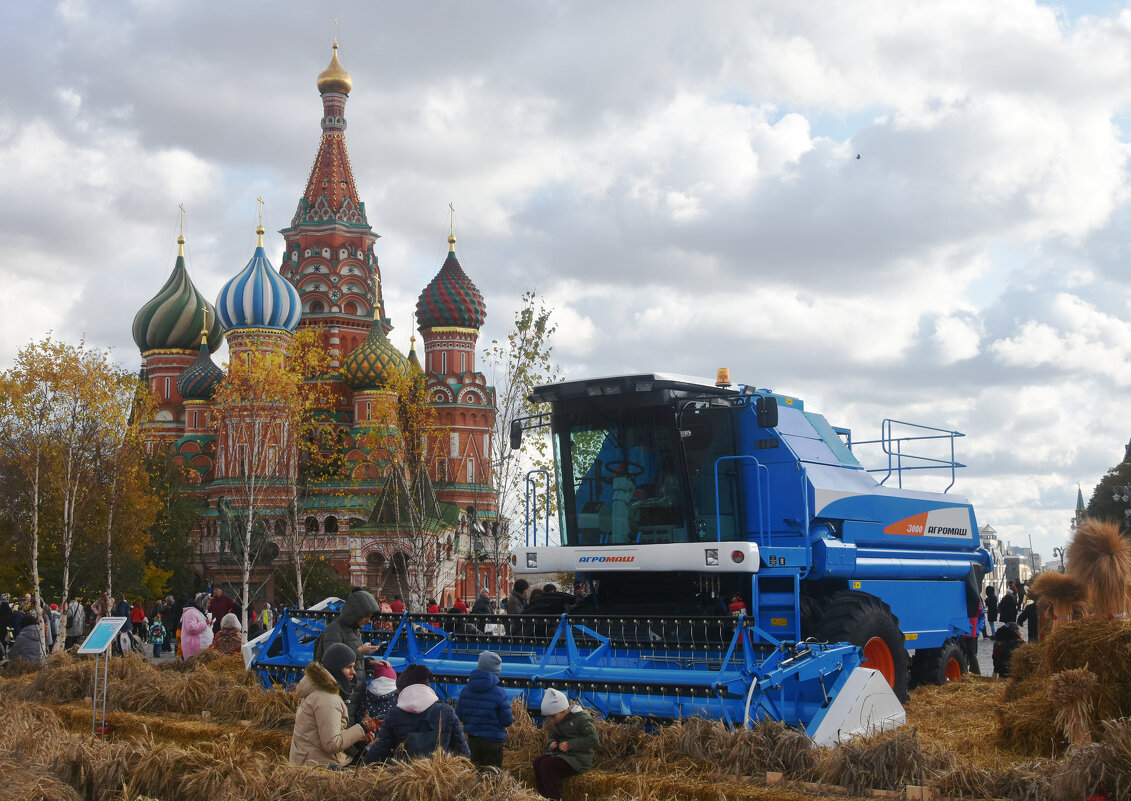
point(892, 447)
point(532, 506)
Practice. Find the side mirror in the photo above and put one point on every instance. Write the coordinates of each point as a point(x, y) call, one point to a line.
point(516, 434)
point(767, 411)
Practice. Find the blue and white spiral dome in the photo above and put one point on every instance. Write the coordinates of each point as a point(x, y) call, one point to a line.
point(258, 297)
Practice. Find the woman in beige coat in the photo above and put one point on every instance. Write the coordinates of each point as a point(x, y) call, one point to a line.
point(322, 731)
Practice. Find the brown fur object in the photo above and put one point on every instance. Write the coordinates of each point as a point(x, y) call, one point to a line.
point(1101, 558)
point(1067, 594)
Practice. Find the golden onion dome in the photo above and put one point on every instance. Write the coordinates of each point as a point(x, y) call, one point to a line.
point(334, 78)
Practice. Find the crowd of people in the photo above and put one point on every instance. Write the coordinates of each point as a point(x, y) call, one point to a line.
point(356, 709)
point(169, 627)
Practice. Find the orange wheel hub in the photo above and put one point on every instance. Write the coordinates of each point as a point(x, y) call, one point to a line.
point(953, 670)
point(878, 656)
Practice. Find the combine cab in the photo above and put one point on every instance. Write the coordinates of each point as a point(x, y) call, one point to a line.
point(741, 564)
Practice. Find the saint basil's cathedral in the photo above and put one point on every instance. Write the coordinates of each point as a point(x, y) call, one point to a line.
point(329, 281)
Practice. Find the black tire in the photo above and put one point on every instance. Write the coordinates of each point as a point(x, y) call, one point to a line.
point(931, 665)
point(858, 618)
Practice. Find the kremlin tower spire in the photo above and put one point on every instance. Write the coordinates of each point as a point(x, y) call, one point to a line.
point(329, 245)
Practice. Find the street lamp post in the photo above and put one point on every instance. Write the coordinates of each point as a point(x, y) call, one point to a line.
point(1059, 552)
point(1123, 494)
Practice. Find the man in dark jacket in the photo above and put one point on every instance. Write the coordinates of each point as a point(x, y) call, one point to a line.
point(485, 712)
point(1007, 608)
point(991, 611)
point(482, 604)
point(1030, 616)
point(419, 723)
point(1006, 641)
point(358, 608)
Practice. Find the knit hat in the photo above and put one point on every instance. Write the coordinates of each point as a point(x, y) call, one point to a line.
point(336, 657)
point(230, 621)
point(383, 671)
point(54, 607)
point(553, 702)
point(491, 662)
point(414, 674)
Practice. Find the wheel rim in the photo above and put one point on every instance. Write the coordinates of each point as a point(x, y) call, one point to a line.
point(953, 669)
point(878, 656)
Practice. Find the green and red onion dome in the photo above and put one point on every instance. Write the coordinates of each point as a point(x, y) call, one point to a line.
point(451, 299)
point(200, 378)
point(174, 317)
point(373, 363)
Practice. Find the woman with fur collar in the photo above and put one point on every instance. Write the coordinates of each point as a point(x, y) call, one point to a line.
point(322, 731)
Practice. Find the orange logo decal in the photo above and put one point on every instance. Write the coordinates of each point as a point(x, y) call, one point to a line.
point(915, 526)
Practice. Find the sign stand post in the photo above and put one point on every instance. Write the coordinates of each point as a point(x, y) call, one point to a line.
point(98, 643)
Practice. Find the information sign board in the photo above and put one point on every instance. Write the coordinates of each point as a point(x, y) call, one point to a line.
point(102, 635)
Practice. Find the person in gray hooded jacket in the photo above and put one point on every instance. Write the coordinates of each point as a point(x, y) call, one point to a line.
point(356, 612)
point(27, 646)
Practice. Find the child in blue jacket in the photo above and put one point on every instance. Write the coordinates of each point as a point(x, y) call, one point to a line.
point(485, 711)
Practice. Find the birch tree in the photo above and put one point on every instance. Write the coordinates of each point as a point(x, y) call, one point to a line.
point(264, 403)
point(517, 364)
point(65, 415)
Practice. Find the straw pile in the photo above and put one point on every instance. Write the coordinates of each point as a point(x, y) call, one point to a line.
point(1101, 558)
point(164, 749)
point(1032, 717)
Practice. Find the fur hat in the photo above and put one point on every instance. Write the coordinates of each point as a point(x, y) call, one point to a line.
point(337, 657)
point(553, 702)
point(201, 601)
point(230, 621)
point(414, 674)
point(491, 662)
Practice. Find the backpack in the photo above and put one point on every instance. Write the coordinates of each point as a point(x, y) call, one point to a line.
point(423, 743)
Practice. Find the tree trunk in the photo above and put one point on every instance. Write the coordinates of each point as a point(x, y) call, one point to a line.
point(109, 539)
point(37, 601)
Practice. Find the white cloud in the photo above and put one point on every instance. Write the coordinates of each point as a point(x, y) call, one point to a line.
point(680, 183)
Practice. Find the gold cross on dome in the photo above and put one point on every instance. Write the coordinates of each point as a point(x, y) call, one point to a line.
point(452, 206)
point(182, 215)
point(259, 200)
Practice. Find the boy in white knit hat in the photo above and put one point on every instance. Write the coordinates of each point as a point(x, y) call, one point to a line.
point(571, 740)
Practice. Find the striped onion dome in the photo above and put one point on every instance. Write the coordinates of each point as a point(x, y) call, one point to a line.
point(201, 377)
point(374, 362)
point(175, 316)
point(258, 297)
point(451, 299)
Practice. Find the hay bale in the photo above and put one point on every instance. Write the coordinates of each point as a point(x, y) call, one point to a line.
point(885, 761)
point(23, 782)
point(1028, 781)
point(1067, 594)
point(1071, 693)
point(275, 709)
point(1100, 557)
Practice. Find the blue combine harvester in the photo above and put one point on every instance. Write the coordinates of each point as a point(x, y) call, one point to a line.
point(741, 564)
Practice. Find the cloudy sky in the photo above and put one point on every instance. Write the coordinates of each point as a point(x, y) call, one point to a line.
point(908, 210)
